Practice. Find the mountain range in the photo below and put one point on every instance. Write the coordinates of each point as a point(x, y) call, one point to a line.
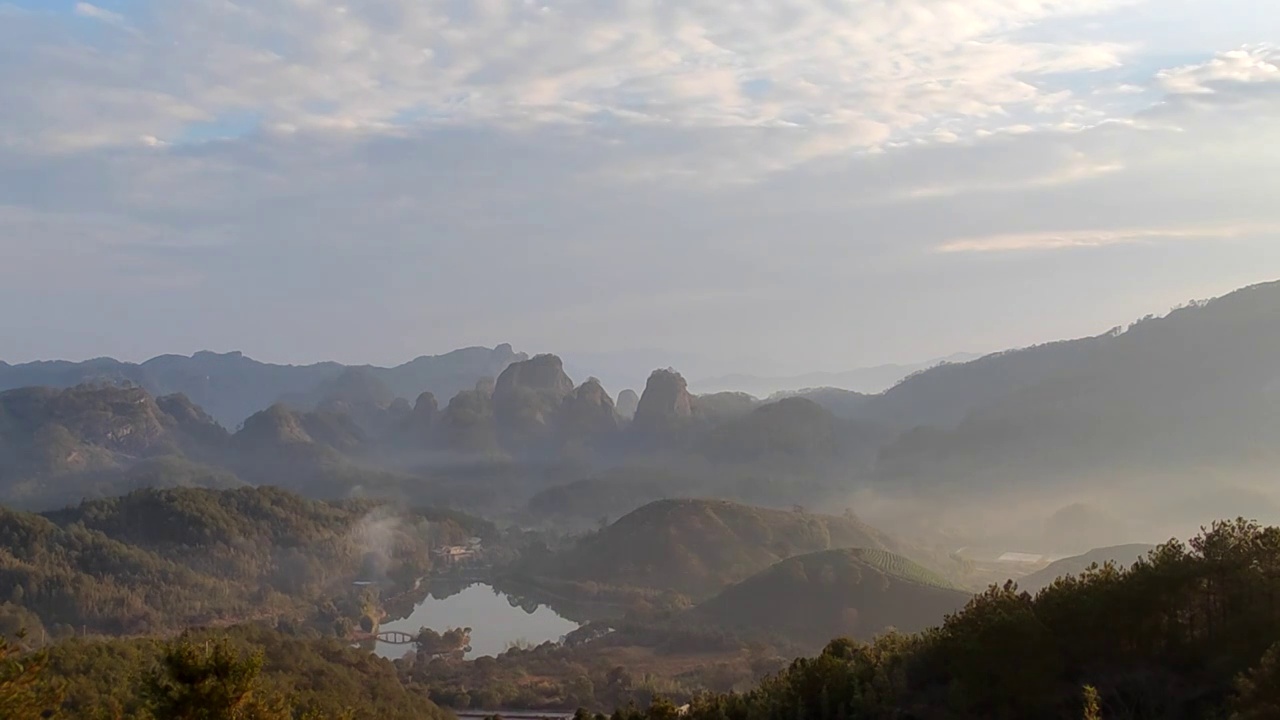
point(231, 387)
point(1199, 387)
point(868, 380)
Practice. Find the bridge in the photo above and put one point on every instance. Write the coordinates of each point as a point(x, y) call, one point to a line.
point(395, 637)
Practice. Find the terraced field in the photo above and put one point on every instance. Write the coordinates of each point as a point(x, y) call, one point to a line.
point(898, 566)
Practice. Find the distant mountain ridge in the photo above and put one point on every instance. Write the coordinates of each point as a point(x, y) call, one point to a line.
point(868, 380)
point(231, 387)
point(1201, 384)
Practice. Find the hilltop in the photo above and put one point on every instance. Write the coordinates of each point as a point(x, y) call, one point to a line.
point(1122, 555)
point(157, 560)
point(810, 599)
point(697, 547)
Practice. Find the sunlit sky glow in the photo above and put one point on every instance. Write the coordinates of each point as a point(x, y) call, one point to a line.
point(754, 186)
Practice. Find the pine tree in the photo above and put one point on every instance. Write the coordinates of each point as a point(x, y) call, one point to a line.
point(210, 681)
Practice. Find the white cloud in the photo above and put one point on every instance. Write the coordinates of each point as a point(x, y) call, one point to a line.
point(481, 171)
point(84, 9)
point(906, 67)
point(1099, 238)
point(1254, 64)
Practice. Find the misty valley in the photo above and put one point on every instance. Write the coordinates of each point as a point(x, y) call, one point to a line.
point(1080, 529)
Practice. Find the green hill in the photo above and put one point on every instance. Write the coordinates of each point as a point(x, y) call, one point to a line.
point(157, 560)
point(58, 446)
point(1121, 555)
point(812, 598)
point(697, 547)
point(319, 678)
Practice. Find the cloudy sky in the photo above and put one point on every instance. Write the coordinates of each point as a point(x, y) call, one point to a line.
point(762, 185)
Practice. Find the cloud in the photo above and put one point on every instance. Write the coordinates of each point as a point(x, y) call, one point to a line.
point(84, 9)
point(1251, 64)
point(731, 182)
point(856, 73)
point(1099, 238)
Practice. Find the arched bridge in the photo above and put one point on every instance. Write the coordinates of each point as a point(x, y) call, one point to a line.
point(395, 637)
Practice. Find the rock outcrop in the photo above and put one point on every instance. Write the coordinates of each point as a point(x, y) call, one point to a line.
point(665, 405)
point(466, 425)
point(526, 401)
point(587, 415)
point(628, 401)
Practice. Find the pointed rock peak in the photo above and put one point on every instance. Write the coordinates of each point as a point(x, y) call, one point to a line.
point(666, 399)
point(543, 373)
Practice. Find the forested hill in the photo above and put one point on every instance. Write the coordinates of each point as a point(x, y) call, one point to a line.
point(247, 672)
point(231, 387)
point(857, 593)
point(160, 560)
point(1192, 632)
point(1121, 555)
point(697, 547)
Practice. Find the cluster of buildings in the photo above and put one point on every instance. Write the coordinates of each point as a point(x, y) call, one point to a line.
point(455, 554)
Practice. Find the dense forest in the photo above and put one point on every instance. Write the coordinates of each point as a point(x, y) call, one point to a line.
point(167, 559)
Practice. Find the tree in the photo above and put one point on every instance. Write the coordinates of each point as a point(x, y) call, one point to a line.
point(210, 681)
point(25, 694)
point(1258, 690)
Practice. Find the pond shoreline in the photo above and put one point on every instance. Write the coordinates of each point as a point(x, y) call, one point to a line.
point(497, 619)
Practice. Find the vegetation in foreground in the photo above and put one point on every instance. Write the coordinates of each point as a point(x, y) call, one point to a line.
point(242, 673)
point(1188, 632)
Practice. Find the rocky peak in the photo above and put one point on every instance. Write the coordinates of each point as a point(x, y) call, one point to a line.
point(588, 411)
point(275, 426)
point(666, 401)
point(628, 401)
point(541, 373)
point(526, 398)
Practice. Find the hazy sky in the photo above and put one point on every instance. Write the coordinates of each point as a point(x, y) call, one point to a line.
point(767, 186)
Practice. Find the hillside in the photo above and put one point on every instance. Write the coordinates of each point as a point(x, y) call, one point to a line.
point(231, 387)
point(57, 446)
point(321, 678)
point(1122, 555)
point(813, 598)
point(697, 547)
point(1189, 634)
point(155, 560)
point(1198, 386)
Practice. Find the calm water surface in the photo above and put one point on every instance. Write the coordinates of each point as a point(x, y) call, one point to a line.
point(494, 620)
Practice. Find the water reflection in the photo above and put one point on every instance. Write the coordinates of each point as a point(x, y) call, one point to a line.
point(497, 620)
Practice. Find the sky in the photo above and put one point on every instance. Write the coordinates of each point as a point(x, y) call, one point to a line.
point(767, 187)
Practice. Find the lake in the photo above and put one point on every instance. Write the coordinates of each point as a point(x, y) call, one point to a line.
point(495, 618)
